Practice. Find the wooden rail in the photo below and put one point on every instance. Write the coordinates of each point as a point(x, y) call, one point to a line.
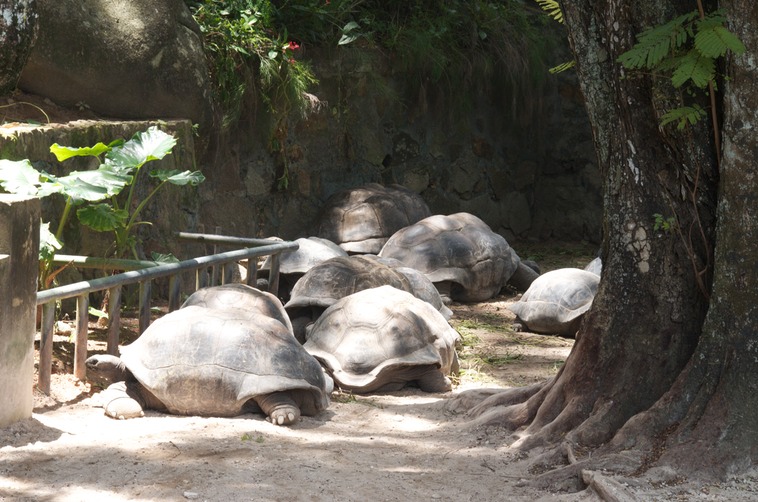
point(144, 276)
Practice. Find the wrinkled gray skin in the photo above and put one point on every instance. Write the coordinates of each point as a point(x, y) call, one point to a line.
point(213, 362)
point(382, 339)
point(556, 302)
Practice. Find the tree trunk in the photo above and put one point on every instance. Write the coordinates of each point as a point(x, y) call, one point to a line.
point(18, 30)
point(709, 413)
point(648, 312)
point(651, 373)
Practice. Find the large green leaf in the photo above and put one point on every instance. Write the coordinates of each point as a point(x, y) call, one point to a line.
point(112, 181)
point(79, 189)
point(48, 243)
point(19, 177)
point(181, 178)
point(164, 257)
point(102, 217)
point(349, 33)
point(145, 146)
point(66, 152)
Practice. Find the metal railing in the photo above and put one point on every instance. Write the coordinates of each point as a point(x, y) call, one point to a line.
point(143, 276)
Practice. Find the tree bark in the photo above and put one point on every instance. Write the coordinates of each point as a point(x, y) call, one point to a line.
point(709, 412)
point(18, 30)
point(664, 368)
point(648, 312)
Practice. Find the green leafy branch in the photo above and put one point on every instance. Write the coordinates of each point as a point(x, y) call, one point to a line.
point(247, 54)
point(685, 49)
point(664, 224)
point(552, 9)
point(96, 194)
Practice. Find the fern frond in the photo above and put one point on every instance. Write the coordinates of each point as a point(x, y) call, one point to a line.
point(695, 67)
point(562, 67)
point(714, 41)
point(684, 116)
point(655, 43)
point(552, 9)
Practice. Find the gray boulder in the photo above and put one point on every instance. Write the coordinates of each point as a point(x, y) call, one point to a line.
point(127, 59)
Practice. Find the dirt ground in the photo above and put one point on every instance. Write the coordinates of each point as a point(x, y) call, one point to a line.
point(395, 447)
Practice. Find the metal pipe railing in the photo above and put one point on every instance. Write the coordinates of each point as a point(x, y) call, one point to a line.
point(143, 277)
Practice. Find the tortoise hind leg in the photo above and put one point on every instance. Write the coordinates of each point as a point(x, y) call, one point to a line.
point(279, 407)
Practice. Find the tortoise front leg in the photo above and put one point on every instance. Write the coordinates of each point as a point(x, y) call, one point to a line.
point(279, 407)
point(120, 402)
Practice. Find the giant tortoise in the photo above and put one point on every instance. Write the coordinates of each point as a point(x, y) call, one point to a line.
point(556, 301)
point(213, 362)
point(459, 253)
point(361, 219)
point(382, 339)
point(333, 279)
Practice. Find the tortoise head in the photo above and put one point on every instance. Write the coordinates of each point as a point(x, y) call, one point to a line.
point(104, 369)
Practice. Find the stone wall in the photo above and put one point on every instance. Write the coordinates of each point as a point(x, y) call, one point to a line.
point(524, 162)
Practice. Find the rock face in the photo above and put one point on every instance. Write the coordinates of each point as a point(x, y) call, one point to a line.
point(531, 177)
point(127, 59)
point(18, 30)
point(522, 160)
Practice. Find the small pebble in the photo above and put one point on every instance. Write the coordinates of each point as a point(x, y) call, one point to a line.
point(191, 495)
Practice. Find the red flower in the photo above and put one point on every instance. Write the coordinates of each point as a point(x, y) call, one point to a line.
point(294, 46)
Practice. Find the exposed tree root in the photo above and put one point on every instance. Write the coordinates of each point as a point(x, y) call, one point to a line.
point(474, 402)
point(606, 488)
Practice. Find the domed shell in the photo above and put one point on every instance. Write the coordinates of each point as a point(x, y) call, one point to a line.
point(459, 249)
point(202, 361)
point(240, 296)
point(595, 266)
point(310, 252)
point(336, 278)
point(556, 301)
point(361, 219)
point(369, 340)
point(421, 286)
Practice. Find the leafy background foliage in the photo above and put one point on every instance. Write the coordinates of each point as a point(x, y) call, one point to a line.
point(685, 51)
point(257, 48)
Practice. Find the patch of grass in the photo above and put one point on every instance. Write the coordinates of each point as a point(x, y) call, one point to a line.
point(341, 396)
point(258, 438)
point(551, 256)
point(476, 359)
point(486, 322)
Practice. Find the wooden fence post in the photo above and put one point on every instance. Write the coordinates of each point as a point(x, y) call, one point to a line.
point(19, 266)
